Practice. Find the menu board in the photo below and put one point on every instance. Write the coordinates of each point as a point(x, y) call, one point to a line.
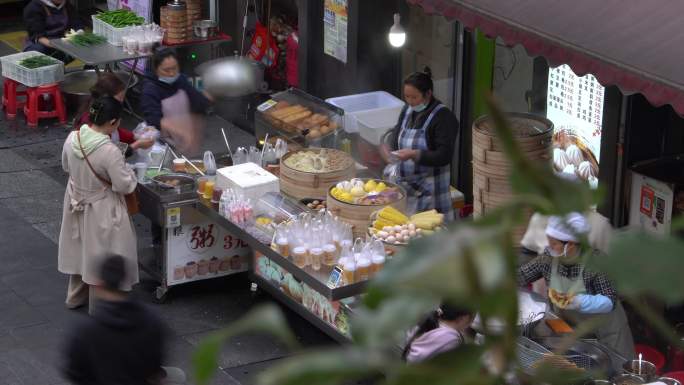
point(335, 29)
point(575, 106)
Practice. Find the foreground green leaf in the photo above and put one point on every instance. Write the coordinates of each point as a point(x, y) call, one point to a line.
point(640, 264)
point(330, 367)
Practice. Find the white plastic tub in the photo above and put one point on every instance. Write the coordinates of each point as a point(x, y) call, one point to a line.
point(31, 77)
point(374, 124)
point(379, 101)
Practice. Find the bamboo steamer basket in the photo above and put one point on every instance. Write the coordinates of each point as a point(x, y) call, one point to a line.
point(174, 21)
point(359, 216)
point(491, 168)
point(301, 184)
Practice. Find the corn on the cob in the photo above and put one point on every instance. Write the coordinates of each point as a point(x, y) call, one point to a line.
point(393, 215)
point(381, 223)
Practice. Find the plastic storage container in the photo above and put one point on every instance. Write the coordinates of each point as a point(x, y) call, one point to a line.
point(248, 179)
point(31, 77)
point(374, 124)
point(114, 35)
point(367, 102)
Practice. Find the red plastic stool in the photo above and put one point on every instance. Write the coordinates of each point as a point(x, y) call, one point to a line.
point(679, 376)
point(32, 109)
point(651, 355)
point(10, 97)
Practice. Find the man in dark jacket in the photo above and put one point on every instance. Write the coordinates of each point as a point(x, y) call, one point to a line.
point(122, 343)
point(49, 19)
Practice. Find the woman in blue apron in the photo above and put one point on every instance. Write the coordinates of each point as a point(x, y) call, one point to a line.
point(421, 146)
point(49, 19)
point(593, 295)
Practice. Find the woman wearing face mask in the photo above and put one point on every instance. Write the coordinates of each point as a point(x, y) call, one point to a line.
point(172, 105)
point(422, 143)
point(95, 220)
point(592, 294)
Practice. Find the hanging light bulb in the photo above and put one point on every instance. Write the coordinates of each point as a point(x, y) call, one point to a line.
point(397, 34)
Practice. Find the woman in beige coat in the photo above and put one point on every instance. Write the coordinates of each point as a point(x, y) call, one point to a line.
point(95, 221)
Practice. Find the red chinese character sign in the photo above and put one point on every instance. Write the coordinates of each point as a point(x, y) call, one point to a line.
point(575, 106)
point(203, 250)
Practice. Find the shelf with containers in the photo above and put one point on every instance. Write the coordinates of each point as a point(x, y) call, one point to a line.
point(303, 289)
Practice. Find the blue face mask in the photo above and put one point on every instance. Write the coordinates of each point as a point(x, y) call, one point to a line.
point(419, 108)
point(169, 79)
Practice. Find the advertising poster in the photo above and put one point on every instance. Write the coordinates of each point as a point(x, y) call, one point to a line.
point(330, 312)
point(203, 250)
point(575, 106)
point(335, 29)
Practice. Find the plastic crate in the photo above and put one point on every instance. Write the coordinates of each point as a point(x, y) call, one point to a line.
point(367, 102)
point(31, 77)
point(374, 124)
point(113, 35)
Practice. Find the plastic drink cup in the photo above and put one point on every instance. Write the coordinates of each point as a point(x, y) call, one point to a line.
point(363, 270)
point(283, 247)
point(178, 165)
point(330, 254)
point(316, 255)
point(378, 263)
point(140, 171)
point(349, 271)
point(208, 189)
point(299, 256)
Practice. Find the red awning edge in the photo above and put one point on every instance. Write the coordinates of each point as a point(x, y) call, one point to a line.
point(658, 92)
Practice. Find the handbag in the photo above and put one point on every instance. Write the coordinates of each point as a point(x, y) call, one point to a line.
point(132, 203)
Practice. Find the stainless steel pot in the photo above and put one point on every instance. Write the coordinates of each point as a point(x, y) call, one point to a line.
point(204, 28)
point(232, 77)
point(76, 86)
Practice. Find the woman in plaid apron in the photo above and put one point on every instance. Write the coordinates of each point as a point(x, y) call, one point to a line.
point(422, 146)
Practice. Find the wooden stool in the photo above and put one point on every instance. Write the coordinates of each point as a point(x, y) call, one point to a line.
point(10, 97)
point(32, 109)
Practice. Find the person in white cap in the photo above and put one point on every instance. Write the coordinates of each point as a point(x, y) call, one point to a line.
point(577, 294)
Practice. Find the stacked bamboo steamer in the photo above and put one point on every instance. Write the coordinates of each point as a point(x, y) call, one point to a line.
point(491, 168)
point(174, 20)
point(194, 13)
point(301, 184)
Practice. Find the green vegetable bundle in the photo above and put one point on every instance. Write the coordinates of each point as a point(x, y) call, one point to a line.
point(86, 39)
point(121, 18)
point(37, 62)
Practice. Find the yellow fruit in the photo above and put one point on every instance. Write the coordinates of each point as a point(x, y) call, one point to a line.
point(370, 186)
point(380, 187)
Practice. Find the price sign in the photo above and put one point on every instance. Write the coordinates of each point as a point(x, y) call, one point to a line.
point(203, 250)
point(266, 105)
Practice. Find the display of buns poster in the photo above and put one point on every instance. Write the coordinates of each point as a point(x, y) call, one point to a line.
point(575, 106)
point(203, 250)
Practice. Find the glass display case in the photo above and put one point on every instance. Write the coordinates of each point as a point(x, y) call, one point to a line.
point(299, 118)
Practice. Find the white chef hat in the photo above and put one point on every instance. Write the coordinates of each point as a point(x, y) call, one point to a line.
point(568, 228)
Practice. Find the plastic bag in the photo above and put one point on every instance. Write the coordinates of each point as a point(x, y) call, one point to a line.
point(264, 48)
point(391, 173)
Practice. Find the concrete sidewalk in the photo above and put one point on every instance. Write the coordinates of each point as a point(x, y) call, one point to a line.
point(34, 319)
